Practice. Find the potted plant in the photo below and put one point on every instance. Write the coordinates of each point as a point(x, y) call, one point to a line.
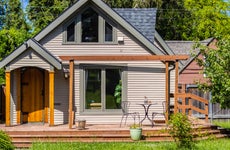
point(135, 132)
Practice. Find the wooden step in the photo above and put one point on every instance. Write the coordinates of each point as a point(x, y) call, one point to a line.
point(24, 139)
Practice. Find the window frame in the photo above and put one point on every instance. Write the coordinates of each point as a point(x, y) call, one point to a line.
point(102, 111)
point(102, 19)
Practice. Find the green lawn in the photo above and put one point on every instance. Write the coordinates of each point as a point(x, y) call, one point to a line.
point(212, 144)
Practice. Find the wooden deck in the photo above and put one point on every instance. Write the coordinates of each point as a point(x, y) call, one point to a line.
point(24, 135)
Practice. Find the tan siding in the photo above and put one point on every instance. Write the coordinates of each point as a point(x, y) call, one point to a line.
point(146, 79)
point(29, 59)
point(54, 43)
point(13, 98)
point(61, 98)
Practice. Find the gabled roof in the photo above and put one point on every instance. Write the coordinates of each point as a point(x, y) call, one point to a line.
point(186, 48)
point(138, 32)
point(31, 43)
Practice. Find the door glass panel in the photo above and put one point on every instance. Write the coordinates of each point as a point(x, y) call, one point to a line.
point(89, 22)
point(113, 88)
point(93, 89)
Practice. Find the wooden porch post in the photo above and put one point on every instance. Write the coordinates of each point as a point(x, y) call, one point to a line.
point(176, 86)
point(7, 75)
point(167, 91)
point(19, 120)
point(51, 97)
point(71, 74)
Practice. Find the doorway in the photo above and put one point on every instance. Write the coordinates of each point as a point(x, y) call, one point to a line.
point(32, 95)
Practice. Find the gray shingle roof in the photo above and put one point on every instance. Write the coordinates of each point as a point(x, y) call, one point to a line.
point(186, 48)
point(142, 19)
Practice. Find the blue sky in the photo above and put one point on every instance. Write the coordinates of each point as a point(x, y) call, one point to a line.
point(24, 3)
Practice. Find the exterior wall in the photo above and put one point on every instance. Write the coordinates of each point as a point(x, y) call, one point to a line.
point(13, 113)
point(143, 79)
point(191, 74)
point(61, 98)
point(29, 59)
point(54, 43)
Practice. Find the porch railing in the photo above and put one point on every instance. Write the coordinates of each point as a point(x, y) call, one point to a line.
point(184, 102)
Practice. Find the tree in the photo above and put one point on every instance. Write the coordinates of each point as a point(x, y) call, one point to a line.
point(208, 18)
point(14, 30)
point(173, 20)
point(2, 12)
point(216, 68)
point(15, 16)
point(120, 3)
point(42, 12)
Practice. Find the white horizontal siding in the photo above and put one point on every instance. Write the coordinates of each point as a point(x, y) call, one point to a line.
point(61, 98)
point(146, 80)
point(13, 112)
point(29, 59)
point(54, 43)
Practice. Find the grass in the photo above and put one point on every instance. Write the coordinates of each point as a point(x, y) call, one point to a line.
point(222, 124)
point(211, 144)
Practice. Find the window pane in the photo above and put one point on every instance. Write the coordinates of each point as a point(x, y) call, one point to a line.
point(71, 32)
point(89, 22)
point(93, 89)
point(108, 32)
point(113, 89)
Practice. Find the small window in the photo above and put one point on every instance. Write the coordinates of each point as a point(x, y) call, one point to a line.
point(89, 22)
point(108, 32)
point(71, 32)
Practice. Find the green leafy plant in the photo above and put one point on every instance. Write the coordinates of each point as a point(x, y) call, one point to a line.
point(5, 141)
point(180, 128)
point(135, 126)
point(118, 92)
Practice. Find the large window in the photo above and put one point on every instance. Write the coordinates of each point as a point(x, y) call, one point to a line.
point(89, 27)
point(102, 89)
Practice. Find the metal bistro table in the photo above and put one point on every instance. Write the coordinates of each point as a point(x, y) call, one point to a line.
point(146, 107)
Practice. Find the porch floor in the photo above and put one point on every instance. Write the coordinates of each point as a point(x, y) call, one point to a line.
point(65, 127)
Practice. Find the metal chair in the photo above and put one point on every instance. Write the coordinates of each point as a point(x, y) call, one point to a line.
point(154, 114)
point(125, 107)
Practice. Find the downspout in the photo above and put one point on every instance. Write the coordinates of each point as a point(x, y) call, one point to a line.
point(171, 69)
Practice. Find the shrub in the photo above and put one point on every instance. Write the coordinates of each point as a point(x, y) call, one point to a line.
point(180, 128)
point(5, 141)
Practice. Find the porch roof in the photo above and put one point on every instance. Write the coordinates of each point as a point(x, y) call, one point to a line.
point(32, 43)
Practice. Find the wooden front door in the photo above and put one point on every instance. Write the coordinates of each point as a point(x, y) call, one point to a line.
point(32, 92)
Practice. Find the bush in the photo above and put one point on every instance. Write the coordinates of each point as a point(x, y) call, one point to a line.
point(5, 141)
point(180, 129)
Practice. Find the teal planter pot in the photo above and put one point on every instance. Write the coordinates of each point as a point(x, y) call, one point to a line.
point(135, 133)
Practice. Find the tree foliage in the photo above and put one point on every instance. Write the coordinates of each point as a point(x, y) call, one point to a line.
point(208, 17)
point(14, 30)
point(216, 68)
point(173, 20)
point(42, 12)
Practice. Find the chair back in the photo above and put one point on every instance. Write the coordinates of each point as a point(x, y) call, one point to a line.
point(125, 106)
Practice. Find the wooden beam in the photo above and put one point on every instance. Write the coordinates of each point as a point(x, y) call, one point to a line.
point(18, 108)
point(176, 86)
point(71, 80)
point(167, 91)
point(51, 97)
point(7, 75)
point(126, 58)
point(46, 97)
